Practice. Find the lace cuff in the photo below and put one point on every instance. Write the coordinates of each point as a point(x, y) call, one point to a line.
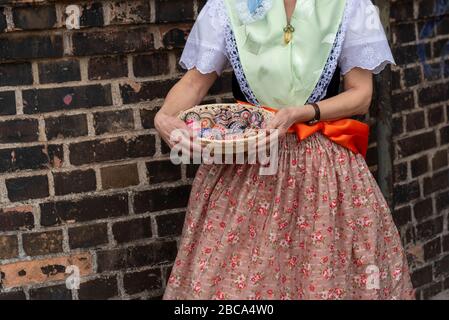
point(205, 48)
point(372, 56)
point(204, 59)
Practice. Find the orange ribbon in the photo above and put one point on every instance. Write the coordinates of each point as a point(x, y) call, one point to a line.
point(347, 132)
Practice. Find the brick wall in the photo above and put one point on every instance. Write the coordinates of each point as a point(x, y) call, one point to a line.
point(420, 32)
point(85, 180)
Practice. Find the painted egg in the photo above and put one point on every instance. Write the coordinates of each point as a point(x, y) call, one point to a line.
point(192, 116)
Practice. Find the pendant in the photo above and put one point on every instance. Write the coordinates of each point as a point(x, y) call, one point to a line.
point(288, 33)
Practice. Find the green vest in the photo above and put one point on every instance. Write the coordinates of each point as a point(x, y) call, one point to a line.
point(280, 74)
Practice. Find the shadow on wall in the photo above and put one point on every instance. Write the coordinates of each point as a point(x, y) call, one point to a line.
point(440, 10)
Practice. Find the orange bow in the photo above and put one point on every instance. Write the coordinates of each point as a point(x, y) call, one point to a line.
point(347, 132)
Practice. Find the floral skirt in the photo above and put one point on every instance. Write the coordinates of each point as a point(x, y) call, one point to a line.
point(318, 229)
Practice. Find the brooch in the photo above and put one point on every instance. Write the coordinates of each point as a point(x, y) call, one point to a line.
point(250, 11)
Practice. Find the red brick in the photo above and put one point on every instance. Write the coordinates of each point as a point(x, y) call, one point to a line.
point(43, 270)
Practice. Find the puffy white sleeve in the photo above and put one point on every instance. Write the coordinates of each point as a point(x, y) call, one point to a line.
point(205, 48)
point(365, 44)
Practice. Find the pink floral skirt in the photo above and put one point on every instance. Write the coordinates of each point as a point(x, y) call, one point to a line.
point(318, 229)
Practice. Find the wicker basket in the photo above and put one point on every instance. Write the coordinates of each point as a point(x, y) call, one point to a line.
point(209, 113)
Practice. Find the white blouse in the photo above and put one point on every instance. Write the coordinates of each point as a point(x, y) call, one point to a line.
point(365, 44)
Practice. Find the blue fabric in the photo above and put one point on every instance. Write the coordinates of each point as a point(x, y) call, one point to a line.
point(253, 5)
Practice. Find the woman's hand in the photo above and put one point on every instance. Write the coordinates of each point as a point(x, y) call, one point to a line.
point(165, 124)
point(286, 117)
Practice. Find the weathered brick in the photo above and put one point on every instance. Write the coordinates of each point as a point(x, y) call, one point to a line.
point(15, 74)
point(145, 91)
point(432, 249)
point(412, 76)
point(92, 15)
point(13, 131)
point(74, 182)
point(444, 134)
point(402, 10)
point(16, 218)
point(111, 149)
point(411, 53)
point(442, 266)
point(129, 12)
point(57, 292)
point(130, 230)
point(174, 38)
point(161, 199)
point(400, 172)
point(23, 47)
point(404, 32)
point(8, 246)
point(119, 176)
point(107, 67)
point(7, 103)
point(430, 228)
point(433, 94)
point(155, 253)
point(3, 23)
point(85, 209)
point(113, 121)
point(147, 280)
point(66, 126)
point(66, 98)
point(170, 224)
point(442, 201)
point(151, 64)
point(402, 216)
point(435, 116)
point(438, 181)
point(34, 17)
point(419, 166)
point(37, 157)
point(59, 71)
point(415, 121)
point(406, 192)
point(191, 170)
point(439, 159)
point(423, 209)
point(422, 276)
point(174, 10)
point(98, 289)
point(417, 143)
point(13, 295)
point(42, 243)
point(25, 188)
point(43, 270)
point(88, 236)
point(118, 41)
point(163, 171)
point(147, 117)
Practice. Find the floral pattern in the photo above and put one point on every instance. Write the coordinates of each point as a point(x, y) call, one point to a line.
point(319, 229)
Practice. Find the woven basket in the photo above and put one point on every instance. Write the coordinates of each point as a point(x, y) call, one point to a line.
point(208, 112)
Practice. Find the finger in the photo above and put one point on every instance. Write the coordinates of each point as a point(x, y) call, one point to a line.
point(273, 123)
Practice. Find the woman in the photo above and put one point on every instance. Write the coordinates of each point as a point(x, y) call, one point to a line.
point(320, 228)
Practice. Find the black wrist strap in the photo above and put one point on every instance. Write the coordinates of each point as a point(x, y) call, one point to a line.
point(317, 116)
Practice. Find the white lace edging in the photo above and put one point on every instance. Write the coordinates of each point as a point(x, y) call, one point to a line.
point(205, 60)
point(332, 62)
point(245, 14)
point(373, 56)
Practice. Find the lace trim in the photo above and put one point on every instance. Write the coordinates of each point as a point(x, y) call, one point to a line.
point(258, 10)
point(332, 62)
point(219, 13)
point(374, 56)
point(205, 60)
point(320, 89)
